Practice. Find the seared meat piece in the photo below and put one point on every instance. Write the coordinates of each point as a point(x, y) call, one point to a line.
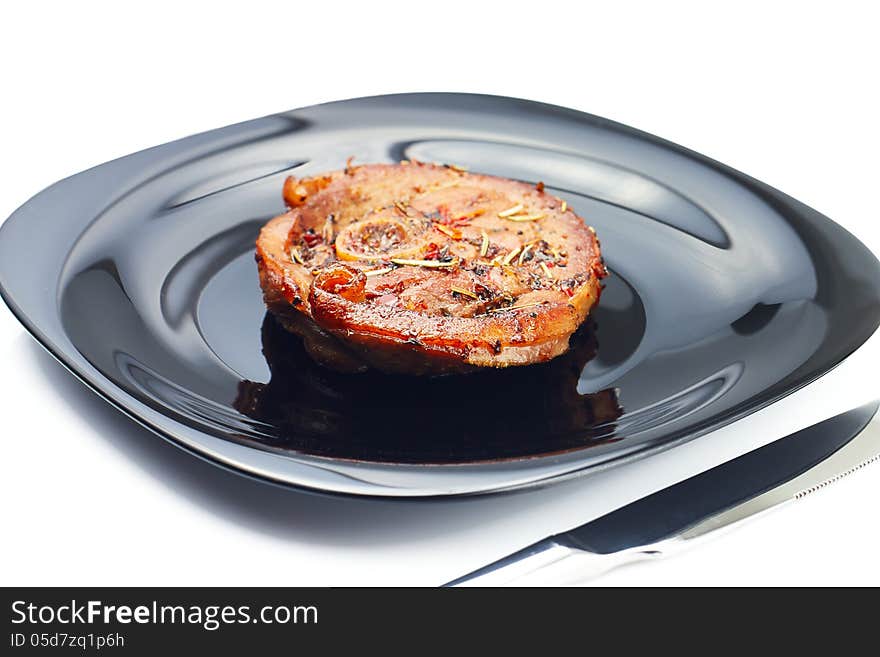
point(425, 269)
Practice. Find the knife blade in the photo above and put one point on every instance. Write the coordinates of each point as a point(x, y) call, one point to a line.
point(675, 517)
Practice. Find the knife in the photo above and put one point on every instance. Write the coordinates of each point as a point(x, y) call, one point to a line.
point(675, 517)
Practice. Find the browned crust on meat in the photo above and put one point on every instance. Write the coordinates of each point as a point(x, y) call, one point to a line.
point(425, 269)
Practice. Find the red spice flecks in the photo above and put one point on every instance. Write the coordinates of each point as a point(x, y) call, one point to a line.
point(568, 291)
point(312, 239)
point(465, 219)
point(432, 252)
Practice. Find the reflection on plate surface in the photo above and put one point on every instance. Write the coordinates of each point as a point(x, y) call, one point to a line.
point(724, 295)
point(496, 414)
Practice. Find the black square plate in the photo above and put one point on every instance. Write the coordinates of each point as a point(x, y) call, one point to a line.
point(724, 296)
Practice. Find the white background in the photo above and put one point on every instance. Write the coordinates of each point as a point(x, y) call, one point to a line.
point(786, 94)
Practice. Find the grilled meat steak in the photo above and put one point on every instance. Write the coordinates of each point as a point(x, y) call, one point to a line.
point(426, 269)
